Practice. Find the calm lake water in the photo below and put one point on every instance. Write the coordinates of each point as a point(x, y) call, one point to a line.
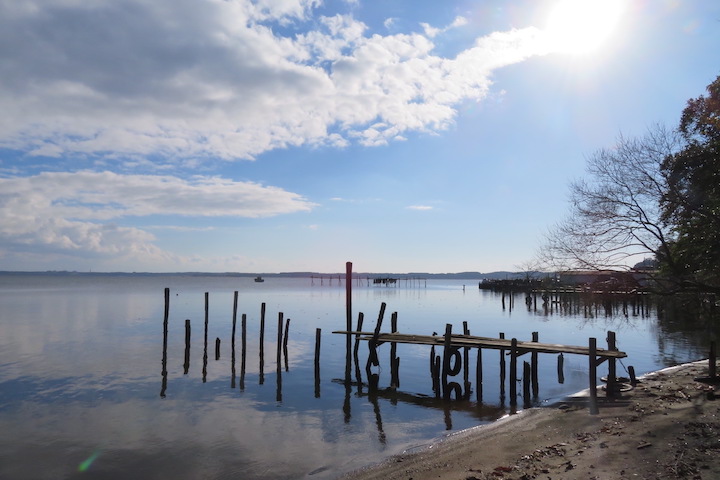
point(81, 373)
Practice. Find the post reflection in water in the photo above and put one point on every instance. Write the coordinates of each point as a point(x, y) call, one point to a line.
point(373, 398)
point(347, 413)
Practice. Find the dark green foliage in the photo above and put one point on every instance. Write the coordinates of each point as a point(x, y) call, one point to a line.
point(691, 204)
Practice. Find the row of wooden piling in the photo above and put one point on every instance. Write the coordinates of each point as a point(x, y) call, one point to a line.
point(589, 304)
point(367, 281)
point(283, 330)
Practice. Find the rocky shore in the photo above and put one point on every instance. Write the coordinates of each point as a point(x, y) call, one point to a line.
point(667, 426)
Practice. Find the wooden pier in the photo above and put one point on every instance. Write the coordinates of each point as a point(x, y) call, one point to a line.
point(452, 363)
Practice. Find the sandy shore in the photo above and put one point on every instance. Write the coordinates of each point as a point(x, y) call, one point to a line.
point(668, 426)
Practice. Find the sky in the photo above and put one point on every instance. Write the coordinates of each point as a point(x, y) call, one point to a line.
point(297, 135)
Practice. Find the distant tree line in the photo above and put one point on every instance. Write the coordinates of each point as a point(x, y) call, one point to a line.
point(655, 197)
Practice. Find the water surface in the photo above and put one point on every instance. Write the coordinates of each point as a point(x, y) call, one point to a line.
point(81, 373)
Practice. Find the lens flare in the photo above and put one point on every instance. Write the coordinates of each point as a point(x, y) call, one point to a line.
point(89, 461)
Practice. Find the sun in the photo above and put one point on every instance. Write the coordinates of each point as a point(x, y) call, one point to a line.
point(582, 26)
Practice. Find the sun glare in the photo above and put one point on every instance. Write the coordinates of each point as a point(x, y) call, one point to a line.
point(582, 26)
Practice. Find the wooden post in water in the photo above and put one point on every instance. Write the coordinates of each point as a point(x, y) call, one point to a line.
point(217, 349)
point(513, 371)
point(234, 318)
point(205, 357)
point(610, 389)
point(373, 359)
point(278, 358)
point(502, 371)
point(593, 376)
point(534, 366)
point(317, 362)
point(466, 363)
point(560, 371)
point(262, 344)
point(633, 379)
point(348, 320)
point(285, 343)
point(186, 364)
point(446, 361)
point(243, 345)
point(356, 359)
point(479, 375)
point(165, 342)
point(232, 340)
point(394, 361)
point(435, 381)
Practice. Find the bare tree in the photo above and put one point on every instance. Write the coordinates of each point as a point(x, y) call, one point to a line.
point(615, 215)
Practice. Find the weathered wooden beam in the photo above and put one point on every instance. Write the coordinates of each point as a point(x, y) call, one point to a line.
point(523, 347)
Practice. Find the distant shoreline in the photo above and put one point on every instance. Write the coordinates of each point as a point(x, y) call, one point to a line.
point(413, 275)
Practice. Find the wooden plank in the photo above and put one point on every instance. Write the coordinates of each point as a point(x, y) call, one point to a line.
point(484, 342)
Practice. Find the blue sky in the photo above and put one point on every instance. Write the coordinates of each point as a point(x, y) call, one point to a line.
point(294, 135)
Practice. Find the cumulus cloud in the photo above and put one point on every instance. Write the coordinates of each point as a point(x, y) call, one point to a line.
point(212, 78)
point(74, 212)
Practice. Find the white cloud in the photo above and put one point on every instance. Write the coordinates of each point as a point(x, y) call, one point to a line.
point(430, 31)
point(419, 207)
point(71, 213)
point(459, 22)
point(196, 78)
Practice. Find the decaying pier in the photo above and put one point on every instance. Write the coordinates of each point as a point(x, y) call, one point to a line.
point(455, 357)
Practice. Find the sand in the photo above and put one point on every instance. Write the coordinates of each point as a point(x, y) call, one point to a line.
point(667, 426)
